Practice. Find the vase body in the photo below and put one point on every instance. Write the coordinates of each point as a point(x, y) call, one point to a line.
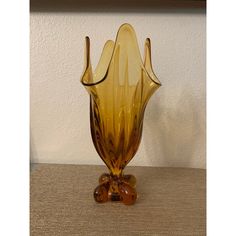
point(119, 90)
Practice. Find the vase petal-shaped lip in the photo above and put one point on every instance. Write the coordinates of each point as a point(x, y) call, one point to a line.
point(89, 79)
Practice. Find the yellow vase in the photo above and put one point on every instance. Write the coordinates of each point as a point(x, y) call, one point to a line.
point(119, 90)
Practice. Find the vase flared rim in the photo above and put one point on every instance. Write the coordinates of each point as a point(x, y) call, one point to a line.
point(147, 41)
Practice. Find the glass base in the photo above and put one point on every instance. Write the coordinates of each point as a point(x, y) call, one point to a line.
point(116, 188)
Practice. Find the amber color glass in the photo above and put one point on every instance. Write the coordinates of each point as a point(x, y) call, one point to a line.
point(119, 90)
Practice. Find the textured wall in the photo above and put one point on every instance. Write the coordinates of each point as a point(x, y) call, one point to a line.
point(174, 126)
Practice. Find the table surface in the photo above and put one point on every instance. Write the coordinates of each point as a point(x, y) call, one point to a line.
point(171, 201)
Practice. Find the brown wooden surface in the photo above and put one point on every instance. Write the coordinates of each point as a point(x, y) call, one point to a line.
point(171, 201)
point(113, 5)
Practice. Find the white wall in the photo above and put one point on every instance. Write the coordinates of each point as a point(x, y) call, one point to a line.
point(174, 126)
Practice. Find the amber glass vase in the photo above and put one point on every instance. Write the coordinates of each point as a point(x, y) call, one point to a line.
point(119, 90)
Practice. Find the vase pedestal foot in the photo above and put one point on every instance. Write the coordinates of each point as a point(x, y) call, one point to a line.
point(116, 188)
